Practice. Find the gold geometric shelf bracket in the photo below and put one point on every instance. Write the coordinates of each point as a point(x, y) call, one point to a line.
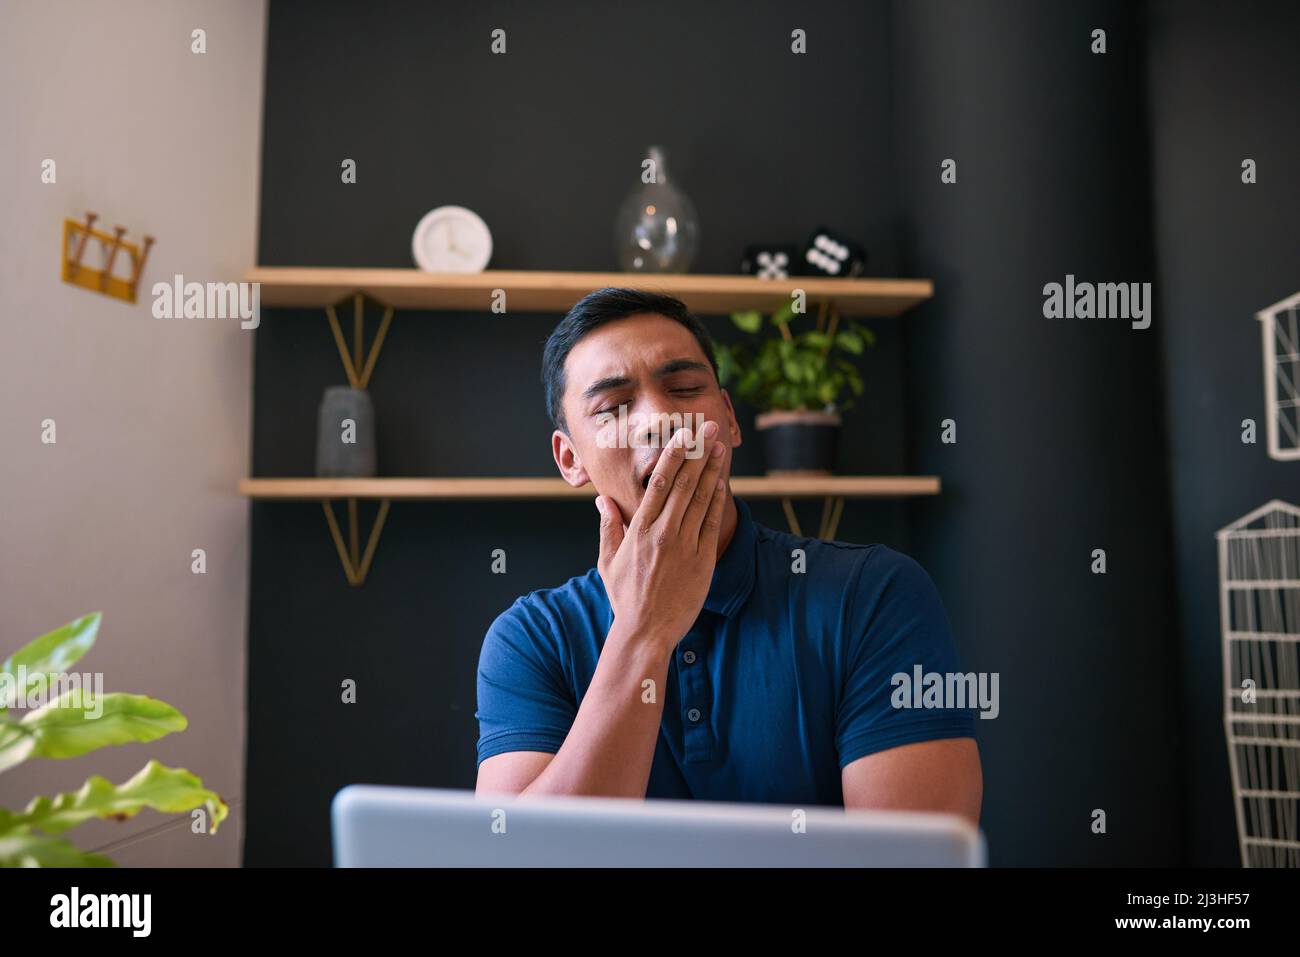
point(355, 567)
point(359, 372)
point(832, 509)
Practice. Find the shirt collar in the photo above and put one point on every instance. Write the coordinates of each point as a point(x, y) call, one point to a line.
point(733, 576)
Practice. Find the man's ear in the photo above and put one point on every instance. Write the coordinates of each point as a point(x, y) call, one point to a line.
point(732, 424)
point(567, 461)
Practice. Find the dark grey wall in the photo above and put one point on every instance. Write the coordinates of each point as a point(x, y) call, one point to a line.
point(1224, 87)
point(1060, 440)
point(543, 143)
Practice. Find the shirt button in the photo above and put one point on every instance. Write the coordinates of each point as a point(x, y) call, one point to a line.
point(688, 657)
point(693, 714)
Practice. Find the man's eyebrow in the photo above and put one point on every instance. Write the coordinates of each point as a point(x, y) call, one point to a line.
point(668, 368)
point(680, 365)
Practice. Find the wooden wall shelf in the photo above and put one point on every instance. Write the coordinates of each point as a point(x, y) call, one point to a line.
point(481, 489)
point(356, 562)
point(543, 291)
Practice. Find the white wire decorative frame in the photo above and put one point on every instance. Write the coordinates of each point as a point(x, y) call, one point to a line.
point(1281, 340)
point(1259, 602)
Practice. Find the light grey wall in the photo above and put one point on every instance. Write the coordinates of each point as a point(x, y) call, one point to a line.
point(152, 416)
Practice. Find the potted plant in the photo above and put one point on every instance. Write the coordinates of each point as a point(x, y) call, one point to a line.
point(72, 722)
point(799, 382)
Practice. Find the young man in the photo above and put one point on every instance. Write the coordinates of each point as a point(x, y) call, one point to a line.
point(700, 658)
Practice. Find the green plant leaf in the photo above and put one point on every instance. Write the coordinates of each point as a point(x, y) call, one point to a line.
point(170, 790)
point(750, 320)
point(866, 332)
point(850, 342)
point(32, 850)
point(67, 727)
point(16, 744)
point(783, 315)
point(52, 653)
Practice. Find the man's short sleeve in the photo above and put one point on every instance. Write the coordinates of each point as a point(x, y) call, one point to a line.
point(524, 703)
point(896, 622)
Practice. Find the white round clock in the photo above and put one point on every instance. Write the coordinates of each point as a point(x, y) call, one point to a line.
point(452, 239)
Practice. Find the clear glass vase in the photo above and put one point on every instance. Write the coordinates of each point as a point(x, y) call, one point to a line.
point(656, 229)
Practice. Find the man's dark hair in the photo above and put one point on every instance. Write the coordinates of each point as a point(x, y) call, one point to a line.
point(596, 309)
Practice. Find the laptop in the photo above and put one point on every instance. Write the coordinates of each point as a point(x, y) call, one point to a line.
point(376, 826)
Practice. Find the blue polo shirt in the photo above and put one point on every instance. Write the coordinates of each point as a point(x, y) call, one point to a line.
point(786, 676)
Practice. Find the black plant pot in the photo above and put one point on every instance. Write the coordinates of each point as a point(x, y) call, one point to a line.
point(798, 442)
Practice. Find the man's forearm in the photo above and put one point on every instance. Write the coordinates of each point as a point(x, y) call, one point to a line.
point(611, 744)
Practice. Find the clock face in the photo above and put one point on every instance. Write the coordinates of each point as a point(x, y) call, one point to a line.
point(452, 239)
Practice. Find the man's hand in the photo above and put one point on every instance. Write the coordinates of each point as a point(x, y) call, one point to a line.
point(657, 573)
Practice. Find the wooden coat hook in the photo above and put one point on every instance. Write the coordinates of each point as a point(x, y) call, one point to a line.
point(102, 280)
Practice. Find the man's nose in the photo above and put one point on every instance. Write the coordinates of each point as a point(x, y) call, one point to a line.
point(657, 422)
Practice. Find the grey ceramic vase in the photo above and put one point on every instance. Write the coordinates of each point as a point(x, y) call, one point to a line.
point(345, 434)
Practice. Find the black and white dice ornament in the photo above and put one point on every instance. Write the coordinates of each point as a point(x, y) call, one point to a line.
point(769, 261)
point(828, 253)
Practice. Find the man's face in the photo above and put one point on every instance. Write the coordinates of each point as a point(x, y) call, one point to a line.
point(654, 368)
